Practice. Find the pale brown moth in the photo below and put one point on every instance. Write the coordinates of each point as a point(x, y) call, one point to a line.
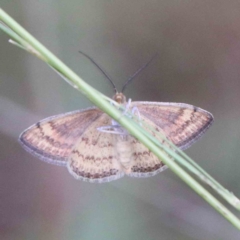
point(83, 142)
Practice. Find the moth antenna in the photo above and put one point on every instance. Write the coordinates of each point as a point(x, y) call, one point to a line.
point(137, 72)
point(98, 66)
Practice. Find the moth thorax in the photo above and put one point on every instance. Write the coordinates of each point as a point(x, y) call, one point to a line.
point(124, 151)
point(119, 98)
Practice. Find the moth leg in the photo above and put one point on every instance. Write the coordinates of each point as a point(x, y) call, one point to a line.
point(113, 129)
point(135, 110)
point(127, 107)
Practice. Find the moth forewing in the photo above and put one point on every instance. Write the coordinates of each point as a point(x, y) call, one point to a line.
point(53, 138)
point(181, 123)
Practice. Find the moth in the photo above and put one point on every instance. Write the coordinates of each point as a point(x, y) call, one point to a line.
point(82, 141)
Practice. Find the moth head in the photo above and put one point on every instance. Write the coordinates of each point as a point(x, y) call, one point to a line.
point(119, 98)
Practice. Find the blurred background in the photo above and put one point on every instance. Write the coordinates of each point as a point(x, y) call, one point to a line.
point(198, 46)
